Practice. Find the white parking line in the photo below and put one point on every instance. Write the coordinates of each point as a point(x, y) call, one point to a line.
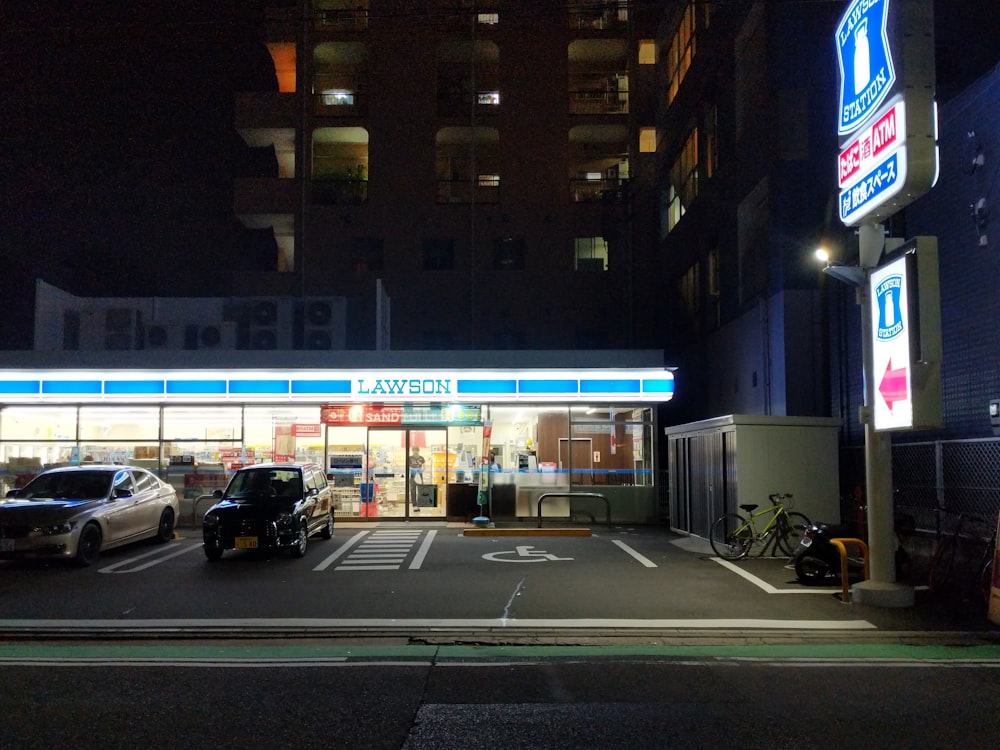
point(341, 550)
point(644, 560)
point(418, 559)
point(160, 557)
point(765, 586)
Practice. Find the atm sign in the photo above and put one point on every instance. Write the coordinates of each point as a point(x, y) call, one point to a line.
point(882, 137)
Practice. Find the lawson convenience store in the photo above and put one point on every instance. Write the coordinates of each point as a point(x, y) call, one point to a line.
point(396, 442)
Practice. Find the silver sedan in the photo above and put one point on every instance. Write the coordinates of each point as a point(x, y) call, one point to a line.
point(75, 512)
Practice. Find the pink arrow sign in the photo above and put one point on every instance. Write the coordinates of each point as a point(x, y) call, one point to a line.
point(893, 385)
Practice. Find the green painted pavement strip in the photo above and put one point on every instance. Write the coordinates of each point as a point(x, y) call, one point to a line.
point(273, 652)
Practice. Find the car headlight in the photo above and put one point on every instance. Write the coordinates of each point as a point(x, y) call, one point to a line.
point(284, 520)
point(210, 521)
point(55, 529)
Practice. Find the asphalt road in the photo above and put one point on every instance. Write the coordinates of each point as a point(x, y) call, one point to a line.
point(419, 698)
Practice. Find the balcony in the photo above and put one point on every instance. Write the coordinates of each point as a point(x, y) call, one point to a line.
point(586, 15)
point(598, 101)
point(339, 192)
point(340, 102)
point(341, 19)
point(460, 104)
point(487, 191)
point(595, 191)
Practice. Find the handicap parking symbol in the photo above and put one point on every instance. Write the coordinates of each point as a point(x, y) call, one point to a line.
point(524, 553)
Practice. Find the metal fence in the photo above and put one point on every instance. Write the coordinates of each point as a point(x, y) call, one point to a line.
point(935, 481)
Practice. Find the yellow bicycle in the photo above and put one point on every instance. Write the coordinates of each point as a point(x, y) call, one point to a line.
point(733, 535)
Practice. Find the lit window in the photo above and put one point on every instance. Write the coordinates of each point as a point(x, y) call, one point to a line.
point(647, 140)
point(647, 52)
point(489, 19)
point(489, 97)
point(590, 254)
point(489, 180)
point(594, 176)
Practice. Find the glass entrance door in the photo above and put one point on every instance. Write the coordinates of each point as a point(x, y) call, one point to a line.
point(408, 474)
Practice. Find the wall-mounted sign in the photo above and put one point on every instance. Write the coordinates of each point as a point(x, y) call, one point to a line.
point(887, 119)
point(398, 414)
point(905, 307)
point(893, 407)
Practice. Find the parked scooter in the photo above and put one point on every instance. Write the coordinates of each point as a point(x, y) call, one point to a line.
point(817, 559)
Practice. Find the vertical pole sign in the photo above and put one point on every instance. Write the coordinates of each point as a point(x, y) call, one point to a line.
point(887, 119)
point(906, 339)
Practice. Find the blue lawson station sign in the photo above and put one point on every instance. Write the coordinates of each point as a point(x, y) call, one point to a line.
point(886, 121)
point(867, 74)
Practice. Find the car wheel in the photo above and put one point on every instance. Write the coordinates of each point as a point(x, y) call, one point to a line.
point(213, 551)
point(165, 531)
point(299, 548)
point(327, 532)
point(89, 547)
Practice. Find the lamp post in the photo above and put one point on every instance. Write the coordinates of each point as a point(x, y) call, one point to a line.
point(881, 588)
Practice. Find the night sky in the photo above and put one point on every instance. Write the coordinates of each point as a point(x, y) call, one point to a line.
point(117, 149)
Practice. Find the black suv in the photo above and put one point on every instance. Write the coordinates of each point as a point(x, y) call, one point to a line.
point(270, 506)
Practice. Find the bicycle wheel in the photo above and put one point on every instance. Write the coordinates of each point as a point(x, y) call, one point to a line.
point(942, 565)
point(731, 536)
point(792, 528)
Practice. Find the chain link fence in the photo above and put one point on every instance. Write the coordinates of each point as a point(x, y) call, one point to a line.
point(935, 481)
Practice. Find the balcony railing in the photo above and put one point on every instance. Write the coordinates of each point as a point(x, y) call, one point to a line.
point(459, 104)
point(609, 17)
point(339, 192)
point(340, 103)
point(463, 191)
point(342, 20)
point(598, 102)
point(594, 191)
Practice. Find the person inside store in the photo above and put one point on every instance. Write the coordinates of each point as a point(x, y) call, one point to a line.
point(494, 463)
point(416, 466)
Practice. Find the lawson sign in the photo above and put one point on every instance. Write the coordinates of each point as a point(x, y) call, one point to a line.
point(867, 74)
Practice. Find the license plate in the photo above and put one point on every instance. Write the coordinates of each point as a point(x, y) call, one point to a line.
point(805, 541)
point(246, 542)
point(6, 545)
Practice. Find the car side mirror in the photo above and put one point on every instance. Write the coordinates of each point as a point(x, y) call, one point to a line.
point(217, 494)
point(312, 491)
point(122, 492)
point(13, 493)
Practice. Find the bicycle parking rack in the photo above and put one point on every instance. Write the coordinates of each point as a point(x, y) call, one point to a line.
point(572, 495)
point(841, 544)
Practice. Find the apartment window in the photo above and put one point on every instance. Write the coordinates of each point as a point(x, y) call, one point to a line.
point(508, 253)
point(366, 254)
point(647, 140)
point(647, 52)
point(590, 254)
point(488, 180)
point(488, 19)
point(439, 254)
point(683, 187)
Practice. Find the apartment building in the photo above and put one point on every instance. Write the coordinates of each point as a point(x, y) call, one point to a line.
point(489, 163)
point(747, 191)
